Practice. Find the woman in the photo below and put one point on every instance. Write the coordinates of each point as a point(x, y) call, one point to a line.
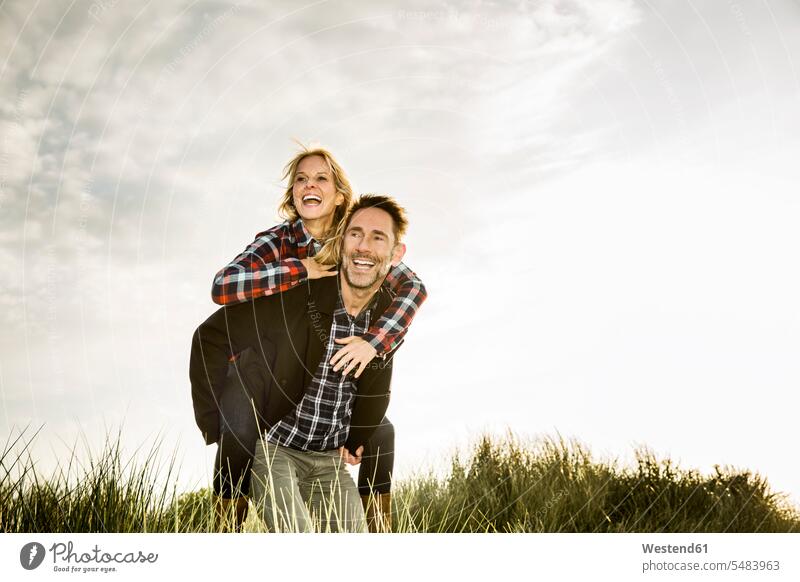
point(314, 205)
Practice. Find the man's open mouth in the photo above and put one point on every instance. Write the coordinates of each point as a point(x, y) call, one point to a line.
point(312, 200)
point(363, 264)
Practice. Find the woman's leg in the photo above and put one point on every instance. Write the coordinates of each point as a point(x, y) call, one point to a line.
point(375, 477)
point(238, 435)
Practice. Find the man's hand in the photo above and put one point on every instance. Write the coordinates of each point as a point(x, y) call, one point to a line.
point(317, 271)
point(349, 458)
point(356, 352)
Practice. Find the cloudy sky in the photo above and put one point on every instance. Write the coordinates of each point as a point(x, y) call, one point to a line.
point(603, 202)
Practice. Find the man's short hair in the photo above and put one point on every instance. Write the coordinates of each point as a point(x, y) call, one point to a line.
point(385, 203)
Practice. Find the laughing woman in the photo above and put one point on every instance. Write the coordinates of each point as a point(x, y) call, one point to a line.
point(316, 200)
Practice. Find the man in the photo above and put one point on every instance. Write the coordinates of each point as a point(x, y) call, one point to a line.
point(311, 418)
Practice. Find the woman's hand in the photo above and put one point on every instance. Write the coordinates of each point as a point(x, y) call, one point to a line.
point(317, 271)
point(356, 352)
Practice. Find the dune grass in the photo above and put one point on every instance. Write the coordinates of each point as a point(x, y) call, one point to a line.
point(553, 485)
point(106, 493)
point(503, 485)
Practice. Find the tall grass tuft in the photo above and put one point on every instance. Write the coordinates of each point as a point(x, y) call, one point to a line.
point(503, 485)
point(107, 493)
point(554, 485)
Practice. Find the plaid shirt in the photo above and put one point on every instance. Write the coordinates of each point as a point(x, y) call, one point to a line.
point(271, 264)
point(321, 420)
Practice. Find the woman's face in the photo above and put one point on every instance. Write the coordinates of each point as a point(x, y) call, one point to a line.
point(314, 189)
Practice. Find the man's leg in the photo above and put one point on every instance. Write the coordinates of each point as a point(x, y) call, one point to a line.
point(276, 476)
point(375, 477)
point(332, 494)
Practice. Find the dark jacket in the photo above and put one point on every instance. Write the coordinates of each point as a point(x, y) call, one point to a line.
point(278, 342)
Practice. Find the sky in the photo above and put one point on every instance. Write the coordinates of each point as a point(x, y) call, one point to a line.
point(602, 200)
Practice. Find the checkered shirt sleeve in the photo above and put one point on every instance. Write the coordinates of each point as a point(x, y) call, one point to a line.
point(409, 293)
point(270, 264)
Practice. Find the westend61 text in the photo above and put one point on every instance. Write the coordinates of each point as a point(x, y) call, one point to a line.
point(96, 555)
point(671, 549)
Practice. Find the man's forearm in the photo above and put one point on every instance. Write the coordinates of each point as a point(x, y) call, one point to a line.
point(372, 400)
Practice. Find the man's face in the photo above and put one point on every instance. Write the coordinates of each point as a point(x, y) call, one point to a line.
point(369, 249)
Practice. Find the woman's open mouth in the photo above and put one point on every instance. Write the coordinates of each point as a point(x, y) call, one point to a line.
point(312, 200)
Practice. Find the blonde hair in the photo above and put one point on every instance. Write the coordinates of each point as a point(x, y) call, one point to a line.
point(328, 254)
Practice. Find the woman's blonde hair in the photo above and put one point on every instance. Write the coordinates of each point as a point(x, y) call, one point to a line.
point(327, 254)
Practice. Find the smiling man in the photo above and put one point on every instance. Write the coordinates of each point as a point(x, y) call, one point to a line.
point(312, 416)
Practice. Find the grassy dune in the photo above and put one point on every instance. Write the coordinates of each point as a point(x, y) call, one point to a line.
point(552, 485)
point(503, 485)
